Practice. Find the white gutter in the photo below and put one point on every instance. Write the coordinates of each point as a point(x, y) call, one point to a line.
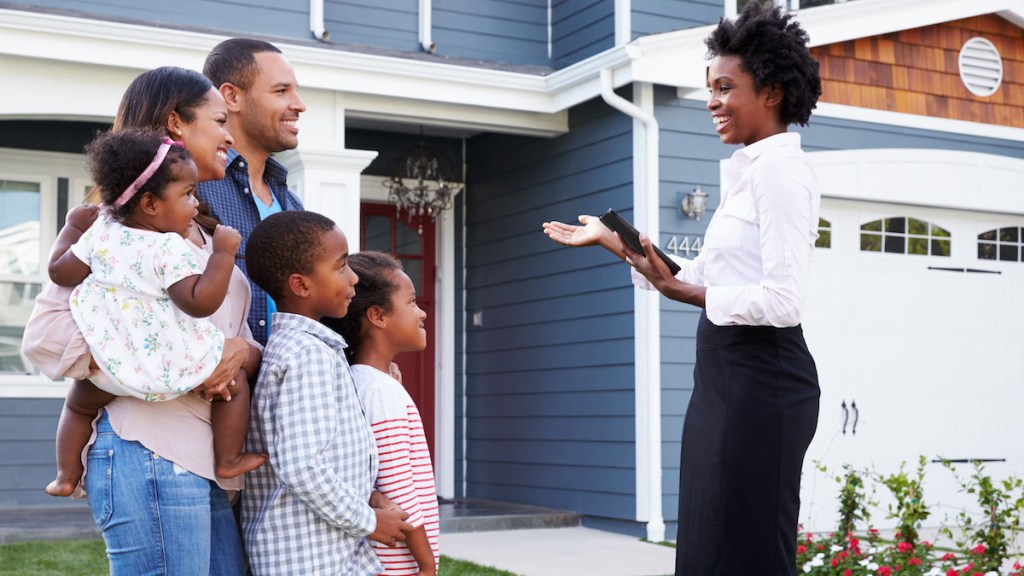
point(316, 20)
point(426, 26)
point(647, 313)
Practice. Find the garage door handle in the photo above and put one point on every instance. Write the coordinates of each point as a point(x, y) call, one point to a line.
point(856, 415)
point(846, 416)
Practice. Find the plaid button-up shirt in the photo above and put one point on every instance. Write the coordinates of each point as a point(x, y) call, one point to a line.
point(231, 201)
point(307, 510)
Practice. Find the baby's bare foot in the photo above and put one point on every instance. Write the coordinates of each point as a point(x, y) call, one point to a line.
point(61, 487)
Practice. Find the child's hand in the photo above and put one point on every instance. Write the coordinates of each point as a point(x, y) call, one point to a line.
point(378, 500)
point(221, 387)
point(391, 527)
point(226, 239)
point(82, 217)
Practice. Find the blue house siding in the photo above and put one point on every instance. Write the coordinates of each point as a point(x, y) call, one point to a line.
point(393, 25)
point(580, 29)
point(274, 18)
point(690, 155)
point(549, 373)
point(27, 452)
point(656, 16)
point(514, 31)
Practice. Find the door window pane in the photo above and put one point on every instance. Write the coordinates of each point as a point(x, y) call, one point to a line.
point(19, 228)
point(378, 234)
point(408, 241)
point(16, 300)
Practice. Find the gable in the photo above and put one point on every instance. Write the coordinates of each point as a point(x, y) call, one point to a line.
point(916, 72)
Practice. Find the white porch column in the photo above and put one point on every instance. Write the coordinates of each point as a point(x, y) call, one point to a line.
point(328, 183)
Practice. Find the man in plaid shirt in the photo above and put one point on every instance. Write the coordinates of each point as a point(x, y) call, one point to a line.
point(308, 510)
point(261, 93)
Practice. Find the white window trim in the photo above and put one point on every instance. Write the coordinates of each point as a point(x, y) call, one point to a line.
point(44, 168)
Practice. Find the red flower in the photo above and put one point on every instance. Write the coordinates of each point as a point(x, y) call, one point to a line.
point(835, 561)
point(979, 549)
point(951, 572)
point(884, 571)
point(915, 561)
point(800, 549)
point(854, 542)
point(847, 572)
point(904, 546)
point(948, 556)
point(1017, 566)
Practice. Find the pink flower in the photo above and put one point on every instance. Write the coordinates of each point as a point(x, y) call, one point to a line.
point(951, 572)
point(948, 556)
point(979, 549)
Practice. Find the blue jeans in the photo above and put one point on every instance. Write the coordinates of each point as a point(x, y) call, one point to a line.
point(158, 519)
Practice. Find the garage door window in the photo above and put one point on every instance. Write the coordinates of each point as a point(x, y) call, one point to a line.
point(902, 235)
point(824, 234)
point(1001, 244)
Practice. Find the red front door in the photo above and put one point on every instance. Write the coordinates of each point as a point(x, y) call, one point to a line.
point(383, 231)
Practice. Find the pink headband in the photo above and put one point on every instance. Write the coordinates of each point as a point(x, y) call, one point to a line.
point(161, 153)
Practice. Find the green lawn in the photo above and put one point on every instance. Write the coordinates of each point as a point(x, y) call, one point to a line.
point(88, 558)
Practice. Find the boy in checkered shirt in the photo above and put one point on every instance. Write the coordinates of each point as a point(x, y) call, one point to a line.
point(309, 511)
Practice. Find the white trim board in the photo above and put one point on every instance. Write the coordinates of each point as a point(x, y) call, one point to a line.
point(889, 118)
point(655, 58)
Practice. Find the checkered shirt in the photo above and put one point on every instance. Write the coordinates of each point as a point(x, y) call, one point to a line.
point(230, 200)
point(307, 510)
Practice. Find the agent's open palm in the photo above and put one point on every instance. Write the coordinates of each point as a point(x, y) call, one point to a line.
point(592, 233)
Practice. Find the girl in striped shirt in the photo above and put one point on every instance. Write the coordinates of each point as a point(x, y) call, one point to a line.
point(383, 321)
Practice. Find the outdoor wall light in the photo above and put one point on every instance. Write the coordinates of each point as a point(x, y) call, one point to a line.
point(695, 203)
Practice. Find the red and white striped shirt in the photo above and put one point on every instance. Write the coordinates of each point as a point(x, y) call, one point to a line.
point(406, 475)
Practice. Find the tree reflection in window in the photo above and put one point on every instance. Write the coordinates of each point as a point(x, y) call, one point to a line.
point(1001, 244)
point(902, 235)
point(824, 234)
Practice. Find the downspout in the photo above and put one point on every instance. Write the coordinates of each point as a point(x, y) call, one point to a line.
point(316, 20)
point(426, 26)
point(647, 316)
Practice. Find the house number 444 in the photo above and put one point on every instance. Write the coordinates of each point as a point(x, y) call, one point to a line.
point(687, 246)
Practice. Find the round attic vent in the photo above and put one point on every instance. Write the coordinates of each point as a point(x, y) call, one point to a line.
point(981, 68)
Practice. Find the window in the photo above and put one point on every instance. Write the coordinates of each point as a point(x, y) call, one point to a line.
point(36, 190)
point(902, 235)
point(21, 238)
point(1001, 244)
point(824, 234)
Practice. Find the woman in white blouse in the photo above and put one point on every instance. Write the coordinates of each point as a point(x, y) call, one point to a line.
point(754, 407)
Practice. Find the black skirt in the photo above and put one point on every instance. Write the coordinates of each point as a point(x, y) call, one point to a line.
point(752, 415)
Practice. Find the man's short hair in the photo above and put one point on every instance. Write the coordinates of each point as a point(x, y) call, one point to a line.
point(233, 61)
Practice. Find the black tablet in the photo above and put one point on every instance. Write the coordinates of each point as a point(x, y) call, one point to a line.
point(631, 237)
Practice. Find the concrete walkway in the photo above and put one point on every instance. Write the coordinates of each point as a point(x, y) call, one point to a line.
point(560, 552)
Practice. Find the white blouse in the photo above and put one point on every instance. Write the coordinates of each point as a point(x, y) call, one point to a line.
point(757, 249)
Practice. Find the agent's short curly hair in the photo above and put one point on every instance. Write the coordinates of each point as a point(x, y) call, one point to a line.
point(117, 157)
point(377, 283)
point(773, 49)
point(283, 244)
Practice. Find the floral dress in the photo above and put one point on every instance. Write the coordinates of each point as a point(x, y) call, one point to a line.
point(144, 345)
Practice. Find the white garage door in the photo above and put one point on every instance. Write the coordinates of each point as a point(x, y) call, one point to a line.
point(915, 317)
